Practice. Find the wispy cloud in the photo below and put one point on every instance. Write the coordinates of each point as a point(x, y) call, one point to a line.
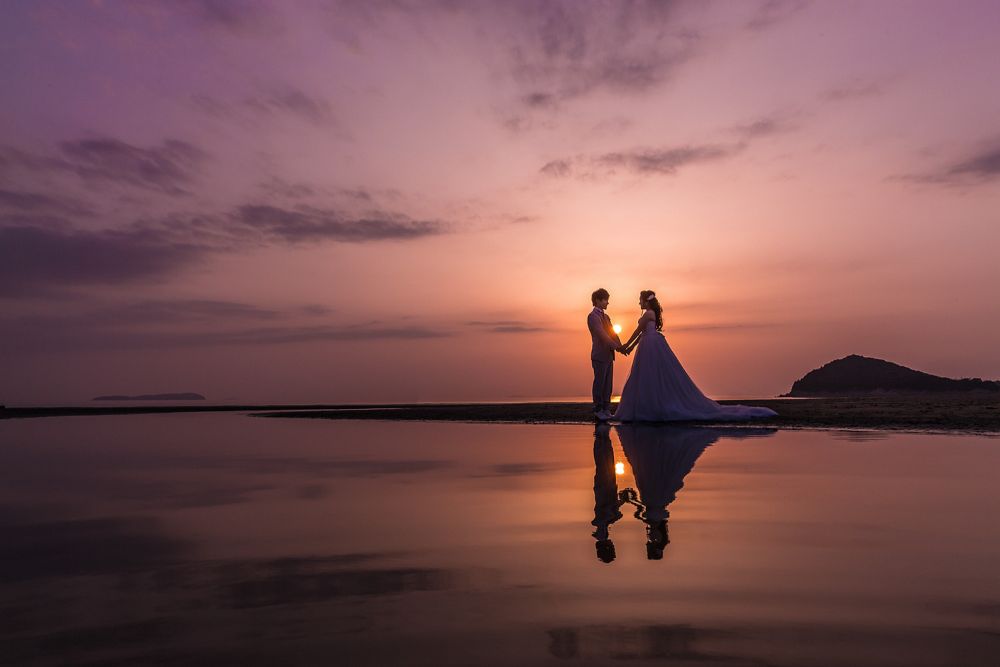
point(295, 102)
point(668, 160)
point(553, 51)
point(641, 161)
point(507, 326)
point(558, 168)
point(725, 326)
point(95, 331)
point(565, 50)
point(169, 168)
point(983, 165)
point(311, 224)
point(183, 310)
point(766, 126)
point(979, 167)
point(245, 18)
point(37, 203)
point(35, 259)
point(665, 160)
point(770, 13)
point(854, 90)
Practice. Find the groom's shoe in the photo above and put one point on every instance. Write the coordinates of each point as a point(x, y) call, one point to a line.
point(603, 415)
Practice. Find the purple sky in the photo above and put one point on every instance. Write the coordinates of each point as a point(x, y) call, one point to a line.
point(395, 201)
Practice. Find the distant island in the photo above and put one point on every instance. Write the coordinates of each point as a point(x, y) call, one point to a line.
point(855, 374)
point(188, 396)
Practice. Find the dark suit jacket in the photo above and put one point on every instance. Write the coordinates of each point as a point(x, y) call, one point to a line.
point(604, 338)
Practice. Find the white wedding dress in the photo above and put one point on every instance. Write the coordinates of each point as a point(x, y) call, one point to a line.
point(658, 389)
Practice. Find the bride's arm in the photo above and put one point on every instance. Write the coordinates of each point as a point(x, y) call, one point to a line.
point(633, 340)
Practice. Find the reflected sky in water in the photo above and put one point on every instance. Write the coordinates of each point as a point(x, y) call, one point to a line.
point(226, 539)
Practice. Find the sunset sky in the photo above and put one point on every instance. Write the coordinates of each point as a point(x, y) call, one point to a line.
point(412, 201)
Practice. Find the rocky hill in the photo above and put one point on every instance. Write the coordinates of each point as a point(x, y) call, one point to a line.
point(864, 375)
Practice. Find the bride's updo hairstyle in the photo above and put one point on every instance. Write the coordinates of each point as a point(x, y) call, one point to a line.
point(648, 298)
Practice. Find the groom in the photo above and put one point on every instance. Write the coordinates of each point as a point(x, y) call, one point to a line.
point(602, 353)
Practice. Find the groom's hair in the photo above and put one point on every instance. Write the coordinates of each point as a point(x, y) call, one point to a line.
point(598, 295)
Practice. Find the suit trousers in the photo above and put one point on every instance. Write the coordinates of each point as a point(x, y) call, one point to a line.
point(603, 372)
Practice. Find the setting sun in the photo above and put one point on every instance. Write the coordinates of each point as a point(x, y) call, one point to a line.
point(617, 328)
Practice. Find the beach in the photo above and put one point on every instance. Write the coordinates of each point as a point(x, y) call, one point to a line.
point(959, 413)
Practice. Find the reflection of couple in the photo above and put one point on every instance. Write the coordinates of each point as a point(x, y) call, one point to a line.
point(658, 388)
point(660, 458)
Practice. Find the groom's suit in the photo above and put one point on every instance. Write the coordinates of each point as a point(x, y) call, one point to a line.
point(602, 357)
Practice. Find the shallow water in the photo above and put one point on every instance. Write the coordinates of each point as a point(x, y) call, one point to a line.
point(227, 539)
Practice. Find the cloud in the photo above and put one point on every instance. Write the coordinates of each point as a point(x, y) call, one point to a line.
point(553, 51)
point(246, 18)
point(642, 161)
point(276, 101)
point(772, 12)
point(566, 50)
point(280, 335)
point(765, 126)
point(981, 166)
point(294, 102)
point(725, 326)
point(40, 253)
point(669, 160)
point(665, 161)
point(507, 326)
point(856, 89)
point(184, 310)
point(97, 330)
point(539, 100)
point(558, 168)
point(36, 203)
point(311, 224)
point(35, 258)
point(167, 168)
point(280, 188)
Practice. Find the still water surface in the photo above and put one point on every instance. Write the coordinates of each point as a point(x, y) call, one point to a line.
point(227, 539)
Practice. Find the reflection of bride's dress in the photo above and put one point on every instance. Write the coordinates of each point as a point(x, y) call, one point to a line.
point(659, 389)
point(660, 458)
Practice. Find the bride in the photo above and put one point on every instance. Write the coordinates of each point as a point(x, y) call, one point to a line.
point(658, 388)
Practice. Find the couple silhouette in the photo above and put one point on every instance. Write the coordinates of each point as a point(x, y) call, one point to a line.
point(658, 389)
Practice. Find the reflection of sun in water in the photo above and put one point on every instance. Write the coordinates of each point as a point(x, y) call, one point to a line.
point(619, 468)
point(617, 328)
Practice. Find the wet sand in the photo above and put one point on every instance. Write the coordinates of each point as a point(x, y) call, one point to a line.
point(213, 539)
point(966, 413)
point(944, 413)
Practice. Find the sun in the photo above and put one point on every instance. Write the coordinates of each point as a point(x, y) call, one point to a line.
point(617, 328)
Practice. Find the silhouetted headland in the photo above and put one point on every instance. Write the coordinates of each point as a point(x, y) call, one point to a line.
point(187, 396)
point(855, 374)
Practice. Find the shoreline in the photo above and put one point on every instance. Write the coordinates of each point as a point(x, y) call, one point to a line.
point(944, 413)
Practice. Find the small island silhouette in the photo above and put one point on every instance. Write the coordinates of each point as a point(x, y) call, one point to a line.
point(187, 396)
point(855, 374)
